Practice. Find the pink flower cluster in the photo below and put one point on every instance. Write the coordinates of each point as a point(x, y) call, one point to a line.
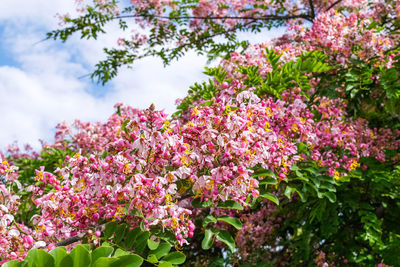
point(342, 36)
point(257, 231)
point(139, 167)
point(131, 183)
point(15, 238)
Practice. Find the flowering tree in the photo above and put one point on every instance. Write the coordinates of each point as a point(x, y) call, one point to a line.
point(287, 156)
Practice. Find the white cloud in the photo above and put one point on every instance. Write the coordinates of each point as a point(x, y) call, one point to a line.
point(35, 13)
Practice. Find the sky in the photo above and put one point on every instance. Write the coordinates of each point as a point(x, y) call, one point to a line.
point(41, 82)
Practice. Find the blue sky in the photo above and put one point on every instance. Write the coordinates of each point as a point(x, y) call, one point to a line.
point(40, 84)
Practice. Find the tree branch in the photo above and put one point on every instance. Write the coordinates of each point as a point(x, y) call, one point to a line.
point(268, 17)
point(204, 38)
point(71, 240)
point(333, 4)
point(79, 236)
point(312, 8)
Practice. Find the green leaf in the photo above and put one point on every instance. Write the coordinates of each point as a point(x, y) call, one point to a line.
point(197, 203)
point(328, 186)
point(80, 256)
point(142, 226)
point(302, 147)
point(209, 219)
point(175, 257)
point(331, 196)
point(44, 259)
point(235, 222)
point(152, 258)
point(225, 236)
point(131, 237)
point(263, 173)
point(120, 252)
point(162, 250)
point(31, 257)
point(289, 191)
point(123, 125)
point(58, 254)
point(316, 181)
point(271, 197)
point(140, 242)
point(110, 229)
point(230, 204)
point(13, 263)
point(66, 261)
point(165, 264)
point(119, 233)
point(152, 244)
point(294, 167)
point(207, 240)
point(268, 180)
point(102, 251)
point(132, 260)
point(104, 262)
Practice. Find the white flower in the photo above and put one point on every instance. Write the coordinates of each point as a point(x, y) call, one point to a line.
point(13, 232)
point(4, 208)
point(6, 218)
point(39, 244)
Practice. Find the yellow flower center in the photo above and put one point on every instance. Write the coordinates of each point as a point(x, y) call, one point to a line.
point(267, 127)
point(268, 112)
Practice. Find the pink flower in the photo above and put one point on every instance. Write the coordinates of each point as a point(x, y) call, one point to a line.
point(28, 240)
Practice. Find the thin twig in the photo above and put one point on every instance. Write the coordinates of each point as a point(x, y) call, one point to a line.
point(268, 17)
point(22, 231)
point(333, 4)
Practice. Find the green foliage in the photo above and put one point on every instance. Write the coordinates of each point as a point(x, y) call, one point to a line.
point(235, 222)
point(287, 75)
point(152, 244)
point(108, 68)
point(80, 256)
point(209, 219)
point(311, 181)
point(371, 89)
point(210, 222)
point(59, 254)
point(295, 73)
point(162, 250)
point(89, 25)
point(225, 237)
point(175, 257)
point(13, 263)
point(107, 255)
point(230, 204)
point(208, 239)
point(270, 197)
point(354, 220)
point(103, 251)
point(51, 158)
point(135, 246)
point(197, 203)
